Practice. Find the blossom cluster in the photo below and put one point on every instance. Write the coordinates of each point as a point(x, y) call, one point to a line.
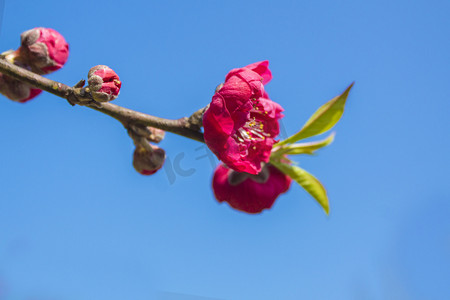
point(240, 125)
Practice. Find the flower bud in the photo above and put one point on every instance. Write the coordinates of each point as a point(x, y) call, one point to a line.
point(147, 161)
point(156, 135)
point(17, 90)
point(103, 83)
point(44, 50)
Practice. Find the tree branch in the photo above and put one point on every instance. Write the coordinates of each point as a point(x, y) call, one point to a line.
point(126, 116)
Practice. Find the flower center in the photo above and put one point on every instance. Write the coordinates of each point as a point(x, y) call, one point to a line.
point(253, 130)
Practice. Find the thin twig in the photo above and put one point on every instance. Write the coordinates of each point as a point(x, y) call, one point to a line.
point(126, 116)
point(196, 119)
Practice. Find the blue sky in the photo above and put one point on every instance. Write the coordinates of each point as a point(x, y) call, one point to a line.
point(77, 222)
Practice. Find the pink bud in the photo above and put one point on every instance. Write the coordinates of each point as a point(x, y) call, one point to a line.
point(147, 161)
point(17, 90)
point(103, 83)
point(156, 135)
point(43, 49)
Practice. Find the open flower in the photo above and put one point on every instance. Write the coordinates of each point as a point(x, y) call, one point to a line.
point(44, 50)
point(104, 83)
point(241, 123)
point(249, 193)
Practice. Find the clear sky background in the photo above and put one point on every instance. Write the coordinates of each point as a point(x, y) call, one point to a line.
point(77, 222)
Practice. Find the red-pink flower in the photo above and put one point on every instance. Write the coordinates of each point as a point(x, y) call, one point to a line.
point(241, 122)
point(249, 193)
point(43, 49)
point(104, 83)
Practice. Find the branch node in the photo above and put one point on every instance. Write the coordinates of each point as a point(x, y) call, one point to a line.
point(138, 139)
point(80, 84)
point(195, 121)
point(81, 96)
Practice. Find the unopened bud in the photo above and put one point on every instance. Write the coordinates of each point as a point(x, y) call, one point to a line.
point(146, 161)
point(103, 83)
point(44, 50)
point(17, 90)
point(156, 135)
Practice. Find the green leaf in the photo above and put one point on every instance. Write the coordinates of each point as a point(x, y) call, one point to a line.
point(310, 183)
point(304, 148)
point(322, 120)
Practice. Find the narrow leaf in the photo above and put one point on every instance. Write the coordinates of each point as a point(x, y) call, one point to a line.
point(322, 120)
point(310, 183)
point(305, 148)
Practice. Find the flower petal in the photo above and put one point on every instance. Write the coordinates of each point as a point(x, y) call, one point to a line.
point(262, 68)
point(249, 196)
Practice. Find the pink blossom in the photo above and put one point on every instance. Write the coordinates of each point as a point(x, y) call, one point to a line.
point(249, 193)
point(241, 123)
